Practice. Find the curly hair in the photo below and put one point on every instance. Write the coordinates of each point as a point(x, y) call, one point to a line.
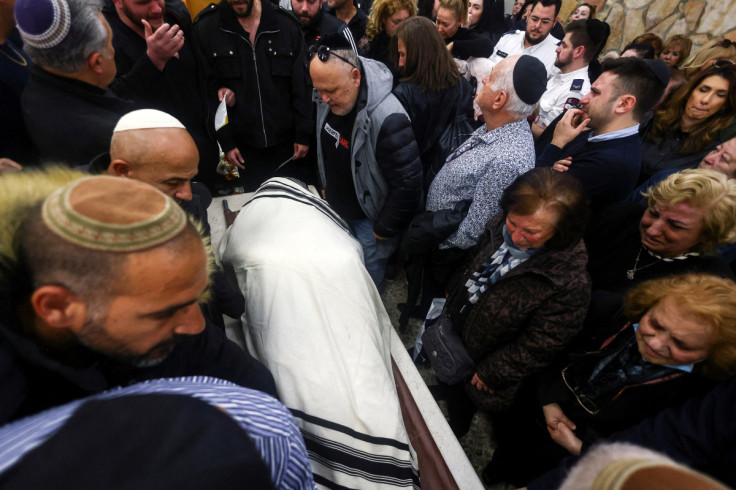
point(382, 10)
point(428, 62)
point(705, 189)
point(544, 188)
point(709, 299)
point(667, 120)
point(683, 43)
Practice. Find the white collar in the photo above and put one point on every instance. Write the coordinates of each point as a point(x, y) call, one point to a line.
point(621, 133)
point(577, 73)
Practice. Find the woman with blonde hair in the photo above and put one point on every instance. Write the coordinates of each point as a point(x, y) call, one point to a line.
point(384, 18)
point(680, 338)
point(721, 52)
point(463, 43)
point(676, 50)
point(688, 216)
point(691, 124)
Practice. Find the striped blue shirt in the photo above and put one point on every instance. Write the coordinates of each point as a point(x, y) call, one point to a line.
point(269, 424)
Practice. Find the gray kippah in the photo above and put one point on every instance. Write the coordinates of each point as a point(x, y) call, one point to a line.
point(530, 79)
point(112, 214)
point(42, 23)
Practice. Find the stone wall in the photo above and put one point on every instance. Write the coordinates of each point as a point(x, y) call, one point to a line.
point(703, 21)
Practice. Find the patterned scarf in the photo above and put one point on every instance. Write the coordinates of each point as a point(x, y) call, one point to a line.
point(503, 260)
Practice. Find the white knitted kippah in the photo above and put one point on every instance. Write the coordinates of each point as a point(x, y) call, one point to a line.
point(147, 119)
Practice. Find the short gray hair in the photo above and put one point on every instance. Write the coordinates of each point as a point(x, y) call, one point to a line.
point(349, 55)
point(87, 35)
point(504, 81)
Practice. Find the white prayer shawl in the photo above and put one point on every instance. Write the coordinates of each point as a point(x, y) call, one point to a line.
point(315, 319)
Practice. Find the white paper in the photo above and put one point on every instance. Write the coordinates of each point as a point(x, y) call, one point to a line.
point(221, 115)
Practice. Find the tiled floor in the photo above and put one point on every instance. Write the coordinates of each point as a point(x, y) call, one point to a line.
point(478, 442)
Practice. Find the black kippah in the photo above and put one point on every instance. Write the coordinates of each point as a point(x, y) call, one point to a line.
point(660, 70)
point(598, 31)
point(335, 40)
point(530, 79)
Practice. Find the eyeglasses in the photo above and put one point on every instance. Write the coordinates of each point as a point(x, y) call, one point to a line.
point(323, 53)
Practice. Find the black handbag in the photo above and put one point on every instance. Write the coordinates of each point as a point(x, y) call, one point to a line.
point(446, 352)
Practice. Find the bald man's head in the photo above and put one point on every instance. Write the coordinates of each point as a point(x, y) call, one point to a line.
point(165, 158)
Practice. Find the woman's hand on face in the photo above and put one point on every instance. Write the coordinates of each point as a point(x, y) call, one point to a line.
point(480, 385)
point(566, 438)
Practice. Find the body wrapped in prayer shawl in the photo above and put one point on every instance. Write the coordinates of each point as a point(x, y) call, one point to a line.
point(314, 317)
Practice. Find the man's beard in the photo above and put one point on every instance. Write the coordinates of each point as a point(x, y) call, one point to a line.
point(311, 21)
point(560, 63)
point(247, 12)
point(96, 338)
point(533, 41)
point(131, 17)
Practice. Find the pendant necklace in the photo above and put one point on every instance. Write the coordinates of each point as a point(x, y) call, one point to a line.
point(630, 273)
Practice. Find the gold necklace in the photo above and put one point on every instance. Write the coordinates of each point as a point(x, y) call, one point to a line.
point(22, 61)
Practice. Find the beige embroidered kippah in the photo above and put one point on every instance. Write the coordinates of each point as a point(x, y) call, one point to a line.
point(112, 214)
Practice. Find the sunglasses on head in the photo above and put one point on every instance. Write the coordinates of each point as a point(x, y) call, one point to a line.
point(323, 53)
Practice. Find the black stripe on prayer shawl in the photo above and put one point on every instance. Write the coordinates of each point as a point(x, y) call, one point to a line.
point(358, 467)
point(348, 431)
point(356, 452)
point(299, 195)
point(321, 480)
point(298, 188)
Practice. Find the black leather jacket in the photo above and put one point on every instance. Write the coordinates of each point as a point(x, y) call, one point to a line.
point(273, 104)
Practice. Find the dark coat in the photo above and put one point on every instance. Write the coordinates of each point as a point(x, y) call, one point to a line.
point(608, 169)
point(432, 112)
point(178, 90)
point(614, 242)
point(701, 433)
point(469, 43)
point(69, 120)
point(379, 49)
point(521, 324)
point(32, 381)
point(666, 154)
point(356, 25)
point(321, 26)
point(492, 23)
point(273, 103)
point(632, 404)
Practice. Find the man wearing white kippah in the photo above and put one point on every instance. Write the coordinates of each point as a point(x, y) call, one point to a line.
point(100, 286)
point(155, 148)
